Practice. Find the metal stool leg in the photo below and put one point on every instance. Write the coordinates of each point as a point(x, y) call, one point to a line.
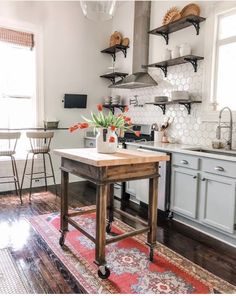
point(16, 177)
point(53, 175)
point(31, 177)
point(45, 173)
point(23, 176)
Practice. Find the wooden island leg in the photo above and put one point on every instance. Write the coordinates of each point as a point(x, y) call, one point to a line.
point(152, 214)
point(101, 214)
point(64, 206)
point(110, 208)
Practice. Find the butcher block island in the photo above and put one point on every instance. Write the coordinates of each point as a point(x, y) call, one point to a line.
point(104, 170)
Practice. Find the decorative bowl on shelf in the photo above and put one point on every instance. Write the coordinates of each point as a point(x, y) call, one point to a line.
point(50, 124)
point(179, 95)
point(160, 99)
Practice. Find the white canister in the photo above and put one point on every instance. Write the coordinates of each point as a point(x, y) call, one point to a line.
point(185, 49)
point(175, 53)
point(167, 55)
point(158, 135)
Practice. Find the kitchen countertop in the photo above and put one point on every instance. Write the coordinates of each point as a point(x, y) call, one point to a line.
point(186, 149)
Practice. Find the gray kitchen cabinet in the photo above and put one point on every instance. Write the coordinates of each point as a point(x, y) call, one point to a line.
point(184, 191)
point(203, 192)
point(218, 201)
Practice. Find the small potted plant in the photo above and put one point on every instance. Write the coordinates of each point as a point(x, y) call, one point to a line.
point(107, 127)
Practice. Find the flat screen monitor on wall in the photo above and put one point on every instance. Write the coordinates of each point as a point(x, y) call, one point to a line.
point(75, 101)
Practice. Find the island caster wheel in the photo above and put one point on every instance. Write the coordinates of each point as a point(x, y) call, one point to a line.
point(151, 255)
point(62, 240)
point(108, 228)
point(103, 272)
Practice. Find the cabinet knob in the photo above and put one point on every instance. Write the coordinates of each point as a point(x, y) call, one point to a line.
point(203, 179)
point(184, 161)
point(194, 177)
point(219, 169)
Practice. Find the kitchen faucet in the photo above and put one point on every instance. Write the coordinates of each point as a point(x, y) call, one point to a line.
point(230, 127)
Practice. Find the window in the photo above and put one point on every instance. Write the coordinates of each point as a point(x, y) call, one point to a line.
point(17, 87)
point(225, 61)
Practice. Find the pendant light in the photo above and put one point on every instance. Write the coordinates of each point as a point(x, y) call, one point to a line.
point(98, 10)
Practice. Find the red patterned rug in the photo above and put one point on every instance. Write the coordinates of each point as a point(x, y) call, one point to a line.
point(131, 270)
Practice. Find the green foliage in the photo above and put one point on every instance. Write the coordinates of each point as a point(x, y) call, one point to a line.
point(101, 120)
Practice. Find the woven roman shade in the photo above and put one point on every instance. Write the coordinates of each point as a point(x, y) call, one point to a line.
point(17, 37)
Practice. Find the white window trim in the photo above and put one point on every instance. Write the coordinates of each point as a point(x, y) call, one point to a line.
point(209, 106)
point(38, 37)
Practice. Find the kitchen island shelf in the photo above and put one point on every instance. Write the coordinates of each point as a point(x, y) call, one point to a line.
point(186, 104)
point(187, 21)
point(113, 75)
point(113, 107)
point(192, 59)
point(114, 49)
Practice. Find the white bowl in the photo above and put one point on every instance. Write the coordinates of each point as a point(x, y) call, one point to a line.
point(159, 99)
point(179, 95)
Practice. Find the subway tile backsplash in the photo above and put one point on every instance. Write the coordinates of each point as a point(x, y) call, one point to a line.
point(187, 129)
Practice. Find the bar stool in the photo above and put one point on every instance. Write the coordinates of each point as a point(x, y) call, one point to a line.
point(40, 145)
point(8, 149)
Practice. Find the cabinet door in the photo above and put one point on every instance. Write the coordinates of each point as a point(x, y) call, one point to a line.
point(184, 191)
point(218, 202)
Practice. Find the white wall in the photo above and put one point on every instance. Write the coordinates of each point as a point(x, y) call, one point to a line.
point(71, 61)
point(123, 22)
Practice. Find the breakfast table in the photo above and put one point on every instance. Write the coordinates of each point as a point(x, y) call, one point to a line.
point(104, 170)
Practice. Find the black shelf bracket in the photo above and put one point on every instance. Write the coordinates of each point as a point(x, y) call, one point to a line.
point(112, 108)
point(163, 107)
point(195, 23)
point(124, 50)
point(113, 56)
point(187, 106)
point(164, 69)
point(165, 36)
point(193, 62)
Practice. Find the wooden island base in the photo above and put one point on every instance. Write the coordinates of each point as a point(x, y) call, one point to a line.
point(104, 170)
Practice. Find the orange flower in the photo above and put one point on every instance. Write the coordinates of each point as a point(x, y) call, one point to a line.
point(113, 128)
point(99, 106)
point(126, 109)
point(73, 128)
point(83, 125)
point(129, 122)
point(112, 139)
point(137, 133)
point(127, 119)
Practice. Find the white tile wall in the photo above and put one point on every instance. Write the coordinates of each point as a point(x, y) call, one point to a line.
point(187, 129)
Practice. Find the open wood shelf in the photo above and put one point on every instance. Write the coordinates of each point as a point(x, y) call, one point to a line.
point(112, 76)
point(114, 49)
point(192, 59)
point(187, 21)
point(186, 104)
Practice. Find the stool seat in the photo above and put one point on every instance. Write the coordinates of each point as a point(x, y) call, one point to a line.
point(7, 152)
point(37, 150)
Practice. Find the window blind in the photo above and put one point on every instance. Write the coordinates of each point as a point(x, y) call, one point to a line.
point(17, 37)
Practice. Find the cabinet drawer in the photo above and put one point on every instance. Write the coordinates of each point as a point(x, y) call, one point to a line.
point(186, 161)
point(219, 167)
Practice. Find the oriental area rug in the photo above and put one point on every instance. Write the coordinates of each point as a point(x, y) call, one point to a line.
point(128, 260)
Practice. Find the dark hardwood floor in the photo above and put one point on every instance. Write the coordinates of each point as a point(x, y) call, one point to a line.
point(42, 273)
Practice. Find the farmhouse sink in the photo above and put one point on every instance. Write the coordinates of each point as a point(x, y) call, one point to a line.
point(215, 151)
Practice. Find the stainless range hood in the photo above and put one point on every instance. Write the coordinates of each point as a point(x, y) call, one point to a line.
point(140, 78)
